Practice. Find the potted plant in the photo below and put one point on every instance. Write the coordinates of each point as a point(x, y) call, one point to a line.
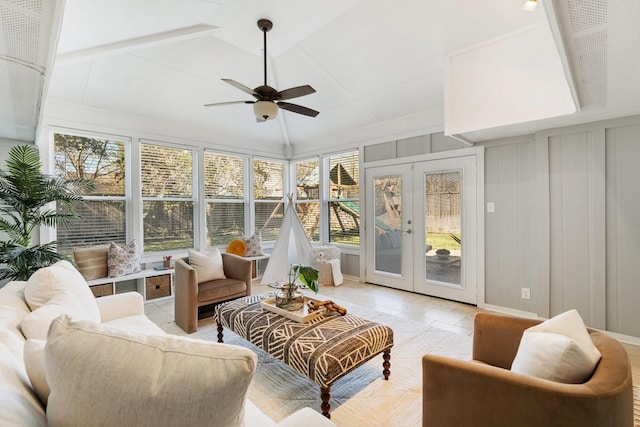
point(443, 253)
point(289, 298)
point(25, 194)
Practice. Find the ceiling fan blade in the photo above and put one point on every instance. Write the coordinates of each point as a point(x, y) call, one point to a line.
point(296, 92)
point(241, 87)
point(295, 108)
point(215, 104)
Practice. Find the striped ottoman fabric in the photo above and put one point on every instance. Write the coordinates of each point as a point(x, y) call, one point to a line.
point(324, 349)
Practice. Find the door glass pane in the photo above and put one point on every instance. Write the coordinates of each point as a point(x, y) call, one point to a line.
point(443, 226)
point(388, 224)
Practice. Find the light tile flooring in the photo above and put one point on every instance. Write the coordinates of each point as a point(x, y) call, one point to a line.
point(443, 314)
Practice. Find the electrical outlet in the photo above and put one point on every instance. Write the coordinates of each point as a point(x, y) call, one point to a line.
point(525, 293)
point(491, 207)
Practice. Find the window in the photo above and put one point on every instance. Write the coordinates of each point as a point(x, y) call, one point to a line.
point(100, 160)
point(167, 197)
point(224, 193)
point(344, 203)
point(308, 197)
point(268, 195)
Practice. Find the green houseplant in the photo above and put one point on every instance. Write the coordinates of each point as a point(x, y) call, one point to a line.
point(25, 195)
point(289, 298)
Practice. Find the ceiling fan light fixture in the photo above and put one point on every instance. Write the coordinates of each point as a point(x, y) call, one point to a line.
point(265, 110)
point(530, 5)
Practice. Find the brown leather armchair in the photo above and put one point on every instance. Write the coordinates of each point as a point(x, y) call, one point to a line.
point(190, 294)
point(484, 392)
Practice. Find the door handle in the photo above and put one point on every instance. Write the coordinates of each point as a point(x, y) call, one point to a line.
point(407, 231)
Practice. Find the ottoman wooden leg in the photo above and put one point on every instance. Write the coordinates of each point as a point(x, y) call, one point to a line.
point(386, 364)
point(219, 332)
point(325, 395)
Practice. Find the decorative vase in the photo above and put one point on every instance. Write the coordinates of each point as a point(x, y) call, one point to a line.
point(288, 298)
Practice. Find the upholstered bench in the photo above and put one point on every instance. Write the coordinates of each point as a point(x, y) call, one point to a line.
point(323, 350)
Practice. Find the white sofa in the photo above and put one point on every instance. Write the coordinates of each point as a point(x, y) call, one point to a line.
point(87, 357)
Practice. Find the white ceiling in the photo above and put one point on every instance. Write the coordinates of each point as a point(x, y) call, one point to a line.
point(378, 66)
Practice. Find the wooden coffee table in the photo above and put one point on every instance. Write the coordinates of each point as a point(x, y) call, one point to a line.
point(323, 350)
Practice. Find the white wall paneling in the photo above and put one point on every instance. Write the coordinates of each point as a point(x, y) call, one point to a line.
point(623, 230)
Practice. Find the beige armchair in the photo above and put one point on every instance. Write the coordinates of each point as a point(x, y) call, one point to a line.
point(484, 392)
point(190, 294)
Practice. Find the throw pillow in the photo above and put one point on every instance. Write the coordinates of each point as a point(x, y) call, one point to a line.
point(34, 364)
point(559, 349)
point(92, 261)
point(60, 277)
point(169, 380)
point(237, 247)
point(123, 261)
point(35, 325)
point(254, 245)
point(208, 265)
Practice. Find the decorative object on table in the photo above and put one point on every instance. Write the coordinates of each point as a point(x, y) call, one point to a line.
point(166, 261)
point(303, 315)
point(237, 247)
point(123, 260)
point(26, 193)
point(328, 305)
point(289, 298)
point(443, 253)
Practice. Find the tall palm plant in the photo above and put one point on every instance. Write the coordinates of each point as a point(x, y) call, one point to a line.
point(25, 198)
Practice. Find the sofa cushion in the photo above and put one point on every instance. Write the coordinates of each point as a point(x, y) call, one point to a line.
point(254, 245)
point(34, 364)
point(169, 380)
point(92, 261)
point(36, 324)
point(559, 349)
point(19, 405)
point(237, 247)
point(123, 260)
point(60, 277)
point(208, 265)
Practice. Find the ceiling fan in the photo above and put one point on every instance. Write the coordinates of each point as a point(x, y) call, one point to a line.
point(268, 99)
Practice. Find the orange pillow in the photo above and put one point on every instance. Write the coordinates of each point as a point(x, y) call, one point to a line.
point(237, 247)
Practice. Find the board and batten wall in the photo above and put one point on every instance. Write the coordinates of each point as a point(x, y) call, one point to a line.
point(567, 223)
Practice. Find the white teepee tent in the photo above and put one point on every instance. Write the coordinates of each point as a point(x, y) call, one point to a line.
point(290, 248)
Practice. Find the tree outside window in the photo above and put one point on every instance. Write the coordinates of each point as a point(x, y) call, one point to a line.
point(167, 197)
point(344, 204)
point(268, 197)
point(100, 160)
point(225, 201)
point(308, 197)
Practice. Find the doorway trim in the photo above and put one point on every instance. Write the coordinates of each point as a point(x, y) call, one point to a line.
point(478, 152)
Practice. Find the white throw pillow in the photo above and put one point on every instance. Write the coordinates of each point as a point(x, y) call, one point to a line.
point(125, 379)
point(208, 265)
point(35, 325)
point(559, 349)
point(60, 277)
point(35, 366)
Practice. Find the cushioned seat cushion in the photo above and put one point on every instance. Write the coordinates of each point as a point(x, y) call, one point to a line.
point(220, 289)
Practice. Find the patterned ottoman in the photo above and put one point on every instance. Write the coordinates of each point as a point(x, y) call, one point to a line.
point(324, 349)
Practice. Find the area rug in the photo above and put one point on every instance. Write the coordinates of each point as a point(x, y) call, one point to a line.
point(363, 397)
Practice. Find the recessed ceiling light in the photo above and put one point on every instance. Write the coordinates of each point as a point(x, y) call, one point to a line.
point(530, 5)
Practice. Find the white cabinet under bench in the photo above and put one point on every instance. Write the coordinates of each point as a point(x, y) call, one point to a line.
point(152, 284)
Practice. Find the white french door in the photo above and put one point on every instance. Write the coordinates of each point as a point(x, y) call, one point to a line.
point(421, 231)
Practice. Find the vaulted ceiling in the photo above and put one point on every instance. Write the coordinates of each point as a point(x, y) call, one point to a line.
point(380, 68)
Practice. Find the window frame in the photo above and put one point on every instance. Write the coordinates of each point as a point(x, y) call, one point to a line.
point(195, 193)
point(51, 234)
